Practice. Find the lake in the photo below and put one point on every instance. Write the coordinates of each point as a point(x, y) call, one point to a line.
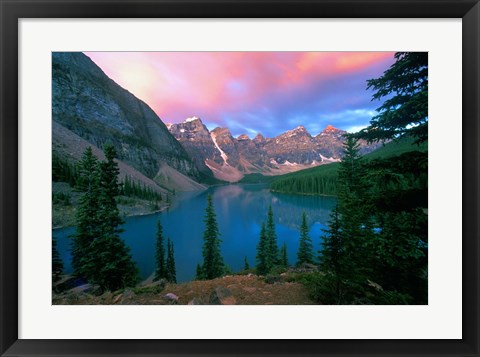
point(240, 210)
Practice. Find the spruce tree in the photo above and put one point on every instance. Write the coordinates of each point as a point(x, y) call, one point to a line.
point(272, 250)
point(160, 265)
point(199, 272)
point(109, 191)
point(246, 266)
point(305, 250)
point(404, 88)
point(105, 259)
point(57, 264)
point(346, 257)
point(334, 262)
point(87, 216)
point(171, 271)
point(213, 265)
point(283, 255)
point(262, 265)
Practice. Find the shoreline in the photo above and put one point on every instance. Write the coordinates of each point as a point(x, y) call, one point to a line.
point(128, 215)
point(303, 194)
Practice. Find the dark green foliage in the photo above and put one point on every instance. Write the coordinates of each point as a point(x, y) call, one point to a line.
point(63, 171)
point(227, 270)
point(267, 247)
point(61, 199)
point(272, 245)
point(332, 255)
point(405, 109)
point(171, 275)
point(110, 264)
point(132, 188)
point(213, 265)
point(160, 264)
point(99, 254)
point(346, 245)
point(323, 288)
point(323, 180)
point(283, 256)
point(246, 266)
point(375, 250)
point(88, 218)
point(272, 279)
point(305, 249)
point(109, 190)
point(57, 264)
point(262, 266)
point(199, 275)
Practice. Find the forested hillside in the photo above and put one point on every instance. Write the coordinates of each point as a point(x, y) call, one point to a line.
point(322, 180)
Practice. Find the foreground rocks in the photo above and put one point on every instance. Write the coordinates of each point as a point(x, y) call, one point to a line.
point(229, 290)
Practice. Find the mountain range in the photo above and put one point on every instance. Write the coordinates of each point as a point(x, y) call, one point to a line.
point(230, 158)
point(90, 109)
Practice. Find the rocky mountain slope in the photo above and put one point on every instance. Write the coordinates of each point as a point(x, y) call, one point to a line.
point(231, 158)
point(91, 105)
point(71, 146)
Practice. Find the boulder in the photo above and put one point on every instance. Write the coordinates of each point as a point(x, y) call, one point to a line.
point(125, 298)
point(87, 289)
point(171, 297)
point(222, 296)
point(196, 301)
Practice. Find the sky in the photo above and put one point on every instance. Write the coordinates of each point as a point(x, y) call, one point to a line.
point(252, 92)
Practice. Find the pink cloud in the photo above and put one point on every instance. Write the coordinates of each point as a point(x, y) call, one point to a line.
point(180, 84)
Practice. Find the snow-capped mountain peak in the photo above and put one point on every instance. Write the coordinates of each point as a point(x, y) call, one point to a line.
point(191, 119)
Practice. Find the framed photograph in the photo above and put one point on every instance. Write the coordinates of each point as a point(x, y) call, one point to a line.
point(239, 178)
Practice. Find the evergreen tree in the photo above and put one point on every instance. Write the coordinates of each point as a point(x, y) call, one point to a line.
point(334, 262)
point(171, 271)
point(57, 264)
point(246, 266)
point(109, 191)
point(87, 216)
point(305, 250)
point(272, 251)
point(100, 255)
point(283, 255)
point(160, 265)
point(262, 266)
point(404, 112)
point(213, 265)
point(199, 272)
point(346, 255)
point(355, 211)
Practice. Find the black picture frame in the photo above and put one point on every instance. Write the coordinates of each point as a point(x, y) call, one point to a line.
point(12, 11)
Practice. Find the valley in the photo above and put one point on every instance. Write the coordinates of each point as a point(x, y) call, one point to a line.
point(207, 210)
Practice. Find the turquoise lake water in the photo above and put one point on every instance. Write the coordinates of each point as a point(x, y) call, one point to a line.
point(240, 210)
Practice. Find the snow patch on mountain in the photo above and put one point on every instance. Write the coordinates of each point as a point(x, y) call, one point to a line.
point(329, 159)
point(222, 153)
